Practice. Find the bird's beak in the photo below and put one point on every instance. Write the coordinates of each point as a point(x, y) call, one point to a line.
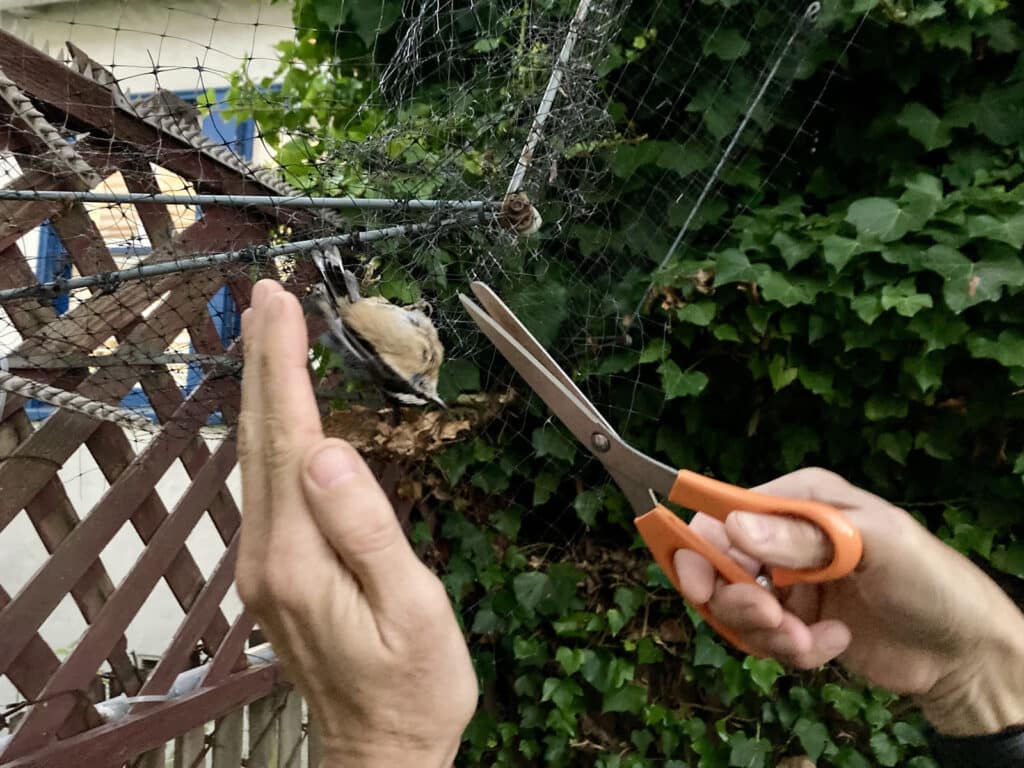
point(438, 401)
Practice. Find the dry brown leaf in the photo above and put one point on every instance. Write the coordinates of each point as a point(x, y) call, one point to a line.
point(420, 433)
point(795, 762)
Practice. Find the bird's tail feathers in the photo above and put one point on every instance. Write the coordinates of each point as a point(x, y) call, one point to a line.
point(339, 280)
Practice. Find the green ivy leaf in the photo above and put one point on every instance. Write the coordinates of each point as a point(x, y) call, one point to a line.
point(886, 751)
point(629, 698)
point(904, 298)
point(838, 251)
point(745, 752)
point(616, 621)
point(587, 505)
point(1006, 349)
point(924, 125)
point(675, 383)
point(878, 218)
point(530, 588)
point(733, 266)
point(847, 702)
point(848, 757)
point(764, 672)
point(781, 376)
point(896, 445)
point(698, 313)
point(655, 351)
point(788, 291)
point(813, 737)
point(727, 44)
point(708, 653)
point(868, 307)
point(571, 659)
point(908, 735)
point(544, 485)
point(549, 440)
point(1010, 559)
point(629, 599)
point(1004, 230)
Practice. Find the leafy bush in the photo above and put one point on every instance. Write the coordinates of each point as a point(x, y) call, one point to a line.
point(864, 312)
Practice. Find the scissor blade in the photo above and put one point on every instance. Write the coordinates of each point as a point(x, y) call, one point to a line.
point(513, 326)
point(634, 472)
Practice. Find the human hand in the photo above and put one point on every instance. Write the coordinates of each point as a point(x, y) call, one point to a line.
point(916, 616)
point(363, 628)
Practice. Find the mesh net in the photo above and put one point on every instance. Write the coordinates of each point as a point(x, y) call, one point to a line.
point(438, 113)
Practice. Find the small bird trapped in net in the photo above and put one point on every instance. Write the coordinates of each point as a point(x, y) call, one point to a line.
point(397, 347)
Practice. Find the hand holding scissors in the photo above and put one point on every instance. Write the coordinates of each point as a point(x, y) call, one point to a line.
point(640, 477)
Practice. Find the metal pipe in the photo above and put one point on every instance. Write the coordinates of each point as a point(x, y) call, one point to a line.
point(111, 280)
point(548, 97)
point(277, 201)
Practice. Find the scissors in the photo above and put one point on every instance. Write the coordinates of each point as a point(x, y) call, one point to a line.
point(643, 479)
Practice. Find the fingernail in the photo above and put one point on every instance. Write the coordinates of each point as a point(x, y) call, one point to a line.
point(754, 526)
point(332, 466)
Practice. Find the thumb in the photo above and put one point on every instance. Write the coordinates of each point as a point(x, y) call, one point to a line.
point(779, 540)
point(358, 521)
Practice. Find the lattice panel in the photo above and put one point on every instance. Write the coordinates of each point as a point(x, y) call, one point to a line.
point(155, 339)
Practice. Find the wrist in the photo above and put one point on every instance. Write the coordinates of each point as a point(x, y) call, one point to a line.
point(982, 694)
point(368, 755)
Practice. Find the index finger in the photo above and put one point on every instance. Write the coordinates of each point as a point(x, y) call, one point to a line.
point(255, 527)
point(290, 420)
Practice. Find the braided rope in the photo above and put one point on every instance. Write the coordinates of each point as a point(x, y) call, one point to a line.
point(62, 151)
point(72, 401)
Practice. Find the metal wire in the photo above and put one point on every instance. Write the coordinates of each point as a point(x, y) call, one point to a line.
point(255, 254)
point(277, 201)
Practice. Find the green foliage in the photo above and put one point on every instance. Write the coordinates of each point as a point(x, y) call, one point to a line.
point(864, 311)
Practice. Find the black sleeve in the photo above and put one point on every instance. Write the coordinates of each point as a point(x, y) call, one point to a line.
point(998, 750)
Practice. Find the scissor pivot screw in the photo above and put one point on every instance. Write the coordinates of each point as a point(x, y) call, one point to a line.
point(600, 442)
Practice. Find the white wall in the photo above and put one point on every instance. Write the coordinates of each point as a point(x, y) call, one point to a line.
point(194, 45)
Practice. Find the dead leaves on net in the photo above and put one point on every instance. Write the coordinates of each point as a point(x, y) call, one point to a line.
point(419, 433)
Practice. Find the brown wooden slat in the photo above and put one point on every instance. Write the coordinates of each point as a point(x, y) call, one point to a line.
point(87, 103)
point(114, 454)
point(52, 515)
point(26, 612)
point(36, 460)
point(90, 323)
point(82, 240)
point(111, 745)
point(176, 655)
point(20, 217)
point(156, 219)
point(34, 664)
point(229, 657)
point(40, 724)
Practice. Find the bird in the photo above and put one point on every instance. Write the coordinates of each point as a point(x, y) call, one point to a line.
point(398, 347)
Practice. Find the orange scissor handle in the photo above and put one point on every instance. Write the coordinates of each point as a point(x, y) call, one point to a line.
point(718, 499)
point(664, 533)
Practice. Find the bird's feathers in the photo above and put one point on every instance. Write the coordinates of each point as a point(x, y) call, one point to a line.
point(398, 346)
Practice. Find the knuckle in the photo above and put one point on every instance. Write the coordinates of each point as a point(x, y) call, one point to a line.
point(284, 449)
point(250, 589)
point(279, 587)
point(819, 476)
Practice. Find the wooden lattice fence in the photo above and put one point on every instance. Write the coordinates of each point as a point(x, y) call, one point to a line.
point(236, 699)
